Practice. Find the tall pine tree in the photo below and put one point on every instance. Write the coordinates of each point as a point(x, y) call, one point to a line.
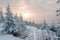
point(9, 24)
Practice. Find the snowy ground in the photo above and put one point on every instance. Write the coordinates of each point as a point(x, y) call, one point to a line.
point(35, 34)
point(1, 26)
point(8, 37)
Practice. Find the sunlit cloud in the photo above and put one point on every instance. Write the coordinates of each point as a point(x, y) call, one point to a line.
point(38, 9)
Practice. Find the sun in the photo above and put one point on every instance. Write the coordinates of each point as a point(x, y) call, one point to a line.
point(26, 15)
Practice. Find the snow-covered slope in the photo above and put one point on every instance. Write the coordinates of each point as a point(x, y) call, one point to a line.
point(38, 34)
point(1, 26)
point(35, 34)
point(9, 37)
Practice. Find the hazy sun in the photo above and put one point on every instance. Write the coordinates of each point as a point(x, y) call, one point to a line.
point(26, 15)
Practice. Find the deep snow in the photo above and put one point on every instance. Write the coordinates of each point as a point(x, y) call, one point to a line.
point(9, 37)
point(35, 34)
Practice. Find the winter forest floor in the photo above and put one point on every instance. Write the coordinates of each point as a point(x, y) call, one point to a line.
point(35, 34)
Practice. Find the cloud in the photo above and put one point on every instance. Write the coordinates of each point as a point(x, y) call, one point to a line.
point(43, 9)
point(40, 9)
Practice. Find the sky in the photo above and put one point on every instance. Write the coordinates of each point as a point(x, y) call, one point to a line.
point(38, 10)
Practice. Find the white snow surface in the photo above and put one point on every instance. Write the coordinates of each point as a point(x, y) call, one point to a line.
point(35, 34)
point(9, 37)
point(1, 26)
point(38, 34)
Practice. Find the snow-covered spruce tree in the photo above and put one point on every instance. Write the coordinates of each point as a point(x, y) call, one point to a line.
point(9, 23)
point(53, 27)
point(58, 10)
point(58, 31)
point(58, 14)
point(21, 30)
point(1, 15)
point(46, 27)
point(14, 25)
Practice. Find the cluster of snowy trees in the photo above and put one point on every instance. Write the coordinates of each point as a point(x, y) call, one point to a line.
point(13, 24)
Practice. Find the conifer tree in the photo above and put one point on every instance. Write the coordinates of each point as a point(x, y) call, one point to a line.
point(9, 24)
point(1, 15)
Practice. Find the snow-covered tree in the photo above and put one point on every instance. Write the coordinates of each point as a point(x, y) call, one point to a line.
point(9, 23)
point(46, 27)
point(58, 31)
point(58, 1)
point(53, 27)
point(58, 14)
point(58, 10)
point(1, 15)
point(21, 30)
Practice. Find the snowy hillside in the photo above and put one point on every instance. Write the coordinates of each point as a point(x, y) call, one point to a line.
point(8, 37)
point(1, 26)
point(35, 34)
